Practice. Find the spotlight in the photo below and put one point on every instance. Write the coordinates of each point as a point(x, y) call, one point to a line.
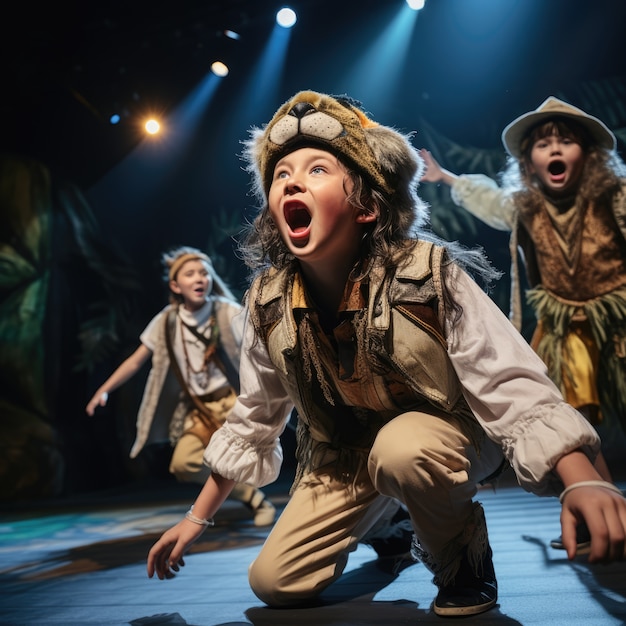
point(219, 68)
point(416, 5)
point(152, 127)
point(114, 119)
point(286, 17)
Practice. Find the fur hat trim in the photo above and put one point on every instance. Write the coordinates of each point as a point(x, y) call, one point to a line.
point(338, 125)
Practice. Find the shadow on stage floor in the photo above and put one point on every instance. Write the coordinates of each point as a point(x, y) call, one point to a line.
point(82, 562)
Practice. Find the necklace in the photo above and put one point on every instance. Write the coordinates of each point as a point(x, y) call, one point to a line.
point(201, 375)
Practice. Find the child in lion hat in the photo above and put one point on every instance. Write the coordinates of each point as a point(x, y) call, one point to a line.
point(409, 383)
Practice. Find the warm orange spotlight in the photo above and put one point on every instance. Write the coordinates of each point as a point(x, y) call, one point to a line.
point(219, 68)
point(152, 126)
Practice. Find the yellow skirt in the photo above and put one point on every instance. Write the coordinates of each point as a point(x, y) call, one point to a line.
point(579, 373)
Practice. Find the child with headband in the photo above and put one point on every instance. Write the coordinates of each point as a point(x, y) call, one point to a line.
point(194, 347)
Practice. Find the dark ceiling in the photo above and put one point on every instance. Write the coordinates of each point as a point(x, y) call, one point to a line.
point(68, 66)
point(107, 52)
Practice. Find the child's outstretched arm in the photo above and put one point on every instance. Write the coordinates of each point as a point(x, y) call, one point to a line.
point(521, 409)
point(126, 370)
point(166, 555)
point(434, 173)
point(599, 504)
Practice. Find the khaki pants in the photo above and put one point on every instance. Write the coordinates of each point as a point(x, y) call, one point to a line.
point(187, 459)
point(422, 460)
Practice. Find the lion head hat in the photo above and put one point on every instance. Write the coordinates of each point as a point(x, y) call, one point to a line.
point(338, 125)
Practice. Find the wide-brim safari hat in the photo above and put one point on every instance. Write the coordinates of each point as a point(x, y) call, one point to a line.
point(518, 129)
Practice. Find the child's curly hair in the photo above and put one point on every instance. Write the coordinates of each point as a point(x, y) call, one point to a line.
point(261, 245)
point(600, 176)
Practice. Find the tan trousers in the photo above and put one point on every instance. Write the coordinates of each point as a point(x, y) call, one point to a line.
point(187, 459)
point(422, 460)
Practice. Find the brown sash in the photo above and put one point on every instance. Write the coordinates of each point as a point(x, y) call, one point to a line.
point(202, 412)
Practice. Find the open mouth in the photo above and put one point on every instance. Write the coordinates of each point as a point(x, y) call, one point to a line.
point(297, 217)
point(556, 168)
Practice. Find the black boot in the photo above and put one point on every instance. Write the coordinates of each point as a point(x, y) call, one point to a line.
point(473, 590)
point(583, 540)
point(393, 538)
point(464, 572)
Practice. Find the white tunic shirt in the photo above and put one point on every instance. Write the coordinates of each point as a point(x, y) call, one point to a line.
point(504, 382)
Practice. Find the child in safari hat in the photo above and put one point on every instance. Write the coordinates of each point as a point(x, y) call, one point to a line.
point(563, 197)
point(410, 384)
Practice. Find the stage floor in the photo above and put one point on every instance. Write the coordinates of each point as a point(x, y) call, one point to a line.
point(83, 562)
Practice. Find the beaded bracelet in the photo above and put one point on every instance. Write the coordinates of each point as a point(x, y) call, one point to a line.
point(590, 483)
point(198, 520)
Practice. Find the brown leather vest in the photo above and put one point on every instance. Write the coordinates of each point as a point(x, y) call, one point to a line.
point(600, 266)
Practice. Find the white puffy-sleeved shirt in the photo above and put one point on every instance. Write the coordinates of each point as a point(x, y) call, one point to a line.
point(504, 382)
point(481, 196)
point(162, 393)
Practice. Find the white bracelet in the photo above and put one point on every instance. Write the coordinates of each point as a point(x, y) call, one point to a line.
point(198, 520)
point(590, 483)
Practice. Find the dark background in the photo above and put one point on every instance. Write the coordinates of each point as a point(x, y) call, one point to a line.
point(465, 69)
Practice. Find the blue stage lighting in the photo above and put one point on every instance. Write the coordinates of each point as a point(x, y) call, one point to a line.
point(286, 17)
